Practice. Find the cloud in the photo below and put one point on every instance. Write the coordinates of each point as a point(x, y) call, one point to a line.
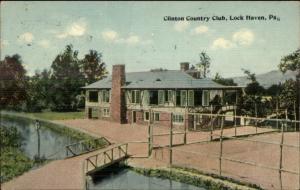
point(243, 37)
point(3, 43)
point(200, 29)
point(181, 26)
point(75, 29)
point(26, 37)
point(44, 43)
point(133, 39)
point(110, 35)
point(113, 37)
point(221, 43)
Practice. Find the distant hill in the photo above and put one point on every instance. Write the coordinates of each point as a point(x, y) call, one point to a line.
point(267, 79)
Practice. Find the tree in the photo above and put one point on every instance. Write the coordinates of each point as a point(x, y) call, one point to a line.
point(252, 103)
point(226, 82)
point(37, 89)
point(288, 94)
point(12, 82)
point(204, 63)
point(274, 90)
point(93, 67)
point(66, 80)
point(253, 88)
point(292, 62)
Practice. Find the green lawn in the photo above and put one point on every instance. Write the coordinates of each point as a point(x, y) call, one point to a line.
point(48, 115)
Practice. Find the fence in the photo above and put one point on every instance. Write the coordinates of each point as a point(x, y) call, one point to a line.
point(230, 147)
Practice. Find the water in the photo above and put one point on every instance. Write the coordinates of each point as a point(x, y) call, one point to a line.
point(128, 179)
point(52, 143)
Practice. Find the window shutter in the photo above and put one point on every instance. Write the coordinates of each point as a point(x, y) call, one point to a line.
point(191, 98)
point(183, 98)
point(102, 96)
point(146, 97)
point(170, 96)
point(128, 95)
point(132, 96)
point(161, 97)
point(205, 98)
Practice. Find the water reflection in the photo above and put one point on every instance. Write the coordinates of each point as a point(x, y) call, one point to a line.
point(128, 179)
point(52, 143)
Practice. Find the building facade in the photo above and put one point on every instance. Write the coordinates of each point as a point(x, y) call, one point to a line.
point(157, 95)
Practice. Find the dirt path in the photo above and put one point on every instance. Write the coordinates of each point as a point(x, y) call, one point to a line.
point(68, 173)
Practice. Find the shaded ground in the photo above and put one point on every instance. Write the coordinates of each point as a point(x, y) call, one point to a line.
point(186, 156)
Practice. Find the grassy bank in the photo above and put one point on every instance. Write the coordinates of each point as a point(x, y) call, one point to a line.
point(13, 163)
point(48, 115)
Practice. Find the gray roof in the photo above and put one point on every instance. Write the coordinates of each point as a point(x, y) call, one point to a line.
point(170, 79)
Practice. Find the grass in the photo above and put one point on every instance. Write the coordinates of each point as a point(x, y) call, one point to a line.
point(13, 163)
point(48, 115)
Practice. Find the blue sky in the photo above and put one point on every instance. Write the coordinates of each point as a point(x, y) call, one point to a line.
point(135, 33)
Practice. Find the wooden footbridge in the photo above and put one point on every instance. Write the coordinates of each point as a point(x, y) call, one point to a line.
point(100, 159)
point(105, 158)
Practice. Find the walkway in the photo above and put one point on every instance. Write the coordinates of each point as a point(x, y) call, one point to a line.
point(68, 173)
point(59, 174)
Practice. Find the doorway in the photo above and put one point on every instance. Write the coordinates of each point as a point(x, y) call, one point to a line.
point(133, 116)
point(90, 110)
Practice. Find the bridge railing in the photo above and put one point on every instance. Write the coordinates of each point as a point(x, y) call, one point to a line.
point(85, 146)
point(105, 158)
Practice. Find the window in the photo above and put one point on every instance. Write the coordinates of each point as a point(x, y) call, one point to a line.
point(178, 118)
point(205, 98)
point(153, 97)
point(178, 98)
point(106, 112)
point(198, 98)
point(135, 96)
point(146, 116)
point(155, 116)
point(105, 96)
point(93, 96)
point(166, 96)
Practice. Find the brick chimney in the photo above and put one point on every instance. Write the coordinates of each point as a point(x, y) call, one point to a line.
point(117, 105)
point(184, 66)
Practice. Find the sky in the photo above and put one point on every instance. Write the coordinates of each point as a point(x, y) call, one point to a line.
point(136, 34)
